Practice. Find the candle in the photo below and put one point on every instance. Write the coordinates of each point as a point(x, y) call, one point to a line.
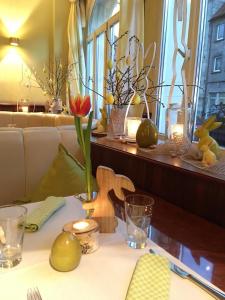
point(81, 225)
point(87, 231)
point(25, 109)
point(177, 132)
point(132, 127)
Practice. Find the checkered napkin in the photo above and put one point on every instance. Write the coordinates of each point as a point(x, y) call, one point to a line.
point(151, 279)
point(43, 212)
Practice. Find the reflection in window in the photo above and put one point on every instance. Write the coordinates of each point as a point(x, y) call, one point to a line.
point(198, 264)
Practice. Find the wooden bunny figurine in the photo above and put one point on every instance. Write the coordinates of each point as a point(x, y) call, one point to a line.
point(104, 213)
point(208, 158)
point(202, 132)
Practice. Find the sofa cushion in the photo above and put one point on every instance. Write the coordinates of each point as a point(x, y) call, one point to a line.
point(40, 149)
point(69, 140)
point(12, 175)
point(35, 119)
point(65, 177)
point(5, 118)
point(20, 119)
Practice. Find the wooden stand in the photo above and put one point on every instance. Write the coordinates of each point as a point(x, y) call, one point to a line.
point(104, 212)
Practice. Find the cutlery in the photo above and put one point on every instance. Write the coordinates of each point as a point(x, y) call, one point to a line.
point(182, 273)
point(33, 294)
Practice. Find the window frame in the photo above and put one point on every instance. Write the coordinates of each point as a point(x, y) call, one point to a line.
point(215, 58)
point(217, 32)
point(105, 27)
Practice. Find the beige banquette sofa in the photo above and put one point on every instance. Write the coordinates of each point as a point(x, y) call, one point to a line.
point(26, 154)
point(23, 120)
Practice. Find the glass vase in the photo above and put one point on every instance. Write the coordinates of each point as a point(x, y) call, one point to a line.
point(56, 106)
point(176, 127)
point(116, 119)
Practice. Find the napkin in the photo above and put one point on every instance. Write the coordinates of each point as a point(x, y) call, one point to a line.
point(43, 212)
point(150, 279)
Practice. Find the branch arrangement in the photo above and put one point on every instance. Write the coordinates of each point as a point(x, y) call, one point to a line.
point(51, 79)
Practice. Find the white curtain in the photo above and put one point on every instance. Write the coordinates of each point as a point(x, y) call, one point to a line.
point(89, 8)
point(76, 52)
point(132, 20)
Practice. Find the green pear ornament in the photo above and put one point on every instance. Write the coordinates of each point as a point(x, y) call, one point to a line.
point(147, 134)
point(66, 252)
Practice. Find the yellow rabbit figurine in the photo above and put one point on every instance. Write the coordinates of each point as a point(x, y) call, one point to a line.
point(202, 132)
point(208, 157)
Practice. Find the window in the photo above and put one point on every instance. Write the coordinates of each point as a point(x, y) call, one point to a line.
point(104, 19)
point(217, 64)
point(220, 32)
point(166, 63)
point(212, 99)
point(211, 96)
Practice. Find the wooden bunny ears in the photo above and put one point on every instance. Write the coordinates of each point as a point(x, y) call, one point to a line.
point(107, 180)
point(104, 212)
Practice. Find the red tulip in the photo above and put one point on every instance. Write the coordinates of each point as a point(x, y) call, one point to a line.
point(80, 106)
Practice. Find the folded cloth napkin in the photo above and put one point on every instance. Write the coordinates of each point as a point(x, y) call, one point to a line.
point(42, 213)
point(151, 279)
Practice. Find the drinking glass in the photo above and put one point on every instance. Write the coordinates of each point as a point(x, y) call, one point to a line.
point(138, 212)
point(12, 224)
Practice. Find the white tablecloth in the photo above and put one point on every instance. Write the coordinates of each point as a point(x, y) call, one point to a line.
point(102, 275)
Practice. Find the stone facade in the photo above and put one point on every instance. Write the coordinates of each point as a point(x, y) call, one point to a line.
point(212, 81)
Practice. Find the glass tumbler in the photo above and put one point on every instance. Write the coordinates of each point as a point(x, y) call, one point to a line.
point(12, 225)
point(138, 212)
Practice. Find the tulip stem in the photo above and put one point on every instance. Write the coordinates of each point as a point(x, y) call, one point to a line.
point(84, 141)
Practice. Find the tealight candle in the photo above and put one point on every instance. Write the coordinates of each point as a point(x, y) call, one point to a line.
point(87, 231)
point(177, 132)
point(132, 125)
point(25, 109)
point(81, 225)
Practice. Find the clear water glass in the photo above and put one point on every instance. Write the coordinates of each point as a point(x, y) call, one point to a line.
point(12, 225)
point(138, 212)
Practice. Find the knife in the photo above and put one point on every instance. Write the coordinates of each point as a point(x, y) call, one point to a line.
point(182, 273)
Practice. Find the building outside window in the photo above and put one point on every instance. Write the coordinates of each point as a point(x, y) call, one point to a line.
point(217, 64)
point(220, 32)
point(211, 97)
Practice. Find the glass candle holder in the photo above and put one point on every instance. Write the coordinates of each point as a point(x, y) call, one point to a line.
point(87, 232)
point(175, 121)
point(131, 127)
point(177, 132)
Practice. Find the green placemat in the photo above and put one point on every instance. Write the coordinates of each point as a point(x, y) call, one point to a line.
point(43, 212)
point(151, 279)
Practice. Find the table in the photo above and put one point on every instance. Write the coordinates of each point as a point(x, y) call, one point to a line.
point(102, 275)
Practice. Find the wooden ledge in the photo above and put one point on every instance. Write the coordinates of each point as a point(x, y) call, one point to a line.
point(171, 179)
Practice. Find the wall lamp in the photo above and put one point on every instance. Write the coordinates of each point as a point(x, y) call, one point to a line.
point(13, 41)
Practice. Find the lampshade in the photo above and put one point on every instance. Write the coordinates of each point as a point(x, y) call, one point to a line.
point(14, 41)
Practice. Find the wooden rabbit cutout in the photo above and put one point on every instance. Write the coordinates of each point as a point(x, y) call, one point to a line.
point(202, 132)
point(104, 212)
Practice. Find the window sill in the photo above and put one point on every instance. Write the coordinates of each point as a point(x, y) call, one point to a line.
point(171, 179)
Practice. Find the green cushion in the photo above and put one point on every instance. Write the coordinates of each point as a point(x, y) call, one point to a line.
point(65, 177)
